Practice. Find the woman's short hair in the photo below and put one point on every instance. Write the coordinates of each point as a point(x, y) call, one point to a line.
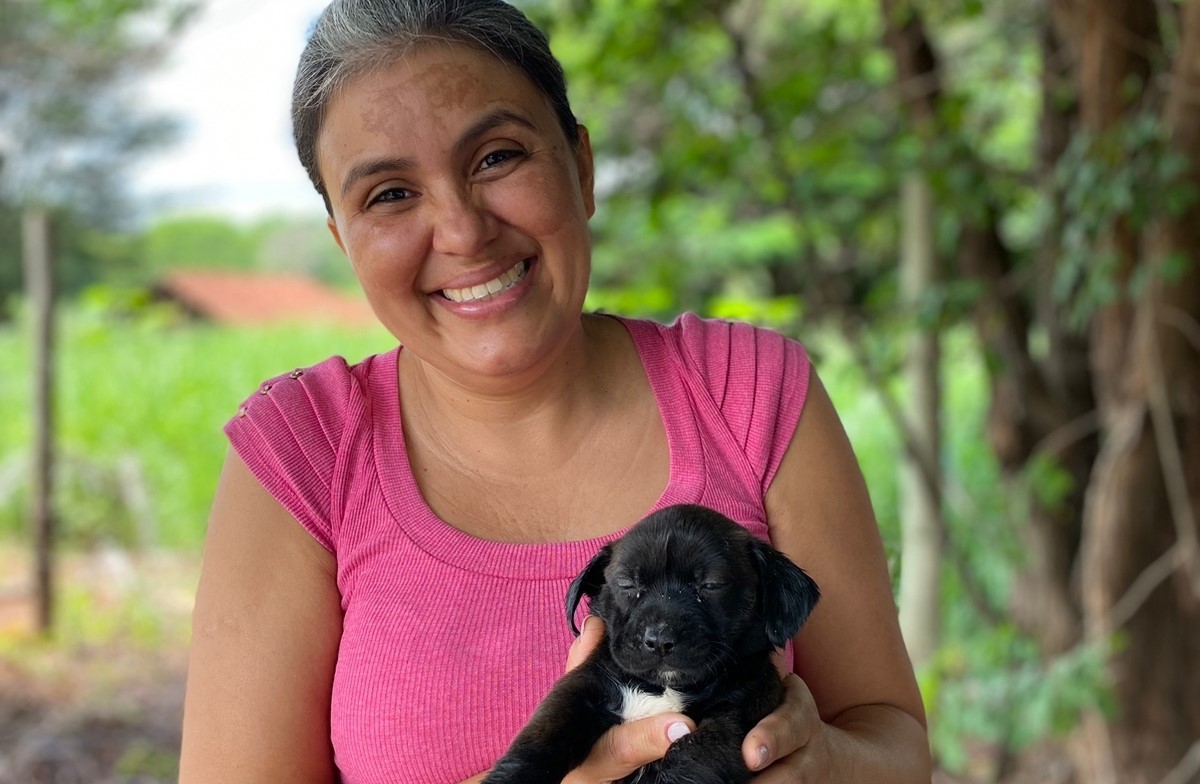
point(355, 37)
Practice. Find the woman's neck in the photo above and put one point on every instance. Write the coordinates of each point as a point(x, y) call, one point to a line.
point(542, 412)
point(581, 453)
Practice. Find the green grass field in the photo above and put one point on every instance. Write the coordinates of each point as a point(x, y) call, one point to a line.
point(140, 408)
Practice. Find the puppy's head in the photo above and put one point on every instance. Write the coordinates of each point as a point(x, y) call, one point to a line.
point(686, 591)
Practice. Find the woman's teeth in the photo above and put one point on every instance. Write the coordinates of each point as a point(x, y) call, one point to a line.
point(490, 289)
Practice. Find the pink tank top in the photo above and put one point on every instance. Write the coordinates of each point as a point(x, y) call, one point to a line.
point(421, 694)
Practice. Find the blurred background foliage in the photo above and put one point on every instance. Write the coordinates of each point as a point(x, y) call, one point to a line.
point(751, 159)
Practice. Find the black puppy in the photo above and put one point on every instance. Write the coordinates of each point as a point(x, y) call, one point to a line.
point(693, 606)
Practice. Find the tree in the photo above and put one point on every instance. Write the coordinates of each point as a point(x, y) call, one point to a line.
point(69, 123)
point(68, 132)
point(760, 147)
point(1141, 518)
point(1122, 554)
point(718, 125)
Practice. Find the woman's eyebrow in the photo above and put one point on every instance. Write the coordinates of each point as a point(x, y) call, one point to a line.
point(489, 122)
point(371, 167)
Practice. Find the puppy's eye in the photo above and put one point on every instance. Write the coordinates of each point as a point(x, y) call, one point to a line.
point(625, 584)
point(712, 585)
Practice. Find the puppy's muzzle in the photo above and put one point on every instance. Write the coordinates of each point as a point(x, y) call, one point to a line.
point(665, 636)
point(659, 639)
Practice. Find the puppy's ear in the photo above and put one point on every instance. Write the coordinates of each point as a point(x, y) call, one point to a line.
point(788, 593)
point(589, 582)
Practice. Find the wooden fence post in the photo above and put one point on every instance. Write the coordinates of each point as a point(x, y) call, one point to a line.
point(39, 287)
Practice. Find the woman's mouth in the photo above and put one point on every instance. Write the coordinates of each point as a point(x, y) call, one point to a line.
point(506, 280)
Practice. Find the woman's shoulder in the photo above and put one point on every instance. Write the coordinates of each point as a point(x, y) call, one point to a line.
point(294, 430)
point(746, 382)
point(720, 346)
point(311, 405)
point(326, 389)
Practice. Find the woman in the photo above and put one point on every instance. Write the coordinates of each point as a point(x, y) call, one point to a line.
point(391, 542)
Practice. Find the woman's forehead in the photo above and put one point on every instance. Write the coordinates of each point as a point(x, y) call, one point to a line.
point(435, 87)
point(439, 77)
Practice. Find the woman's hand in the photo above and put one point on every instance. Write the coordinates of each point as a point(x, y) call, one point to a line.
point(590, 636)
point(626, 747)
point(791, 744)
point(793, 737)
point(792, 740)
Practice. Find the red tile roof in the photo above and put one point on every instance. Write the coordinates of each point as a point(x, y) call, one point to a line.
point(258, 298)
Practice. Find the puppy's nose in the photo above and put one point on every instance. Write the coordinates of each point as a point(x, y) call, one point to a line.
point(659, 639)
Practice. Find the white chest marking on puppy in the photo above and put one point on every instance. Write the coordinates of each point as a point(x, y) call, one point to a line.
point(636, 704)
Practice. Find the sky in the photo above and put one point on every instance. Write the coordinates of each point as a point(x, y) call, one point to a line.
point(228, 82)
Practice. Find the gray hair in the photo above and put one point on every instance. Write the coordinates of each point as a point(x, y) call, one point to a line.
point(355, 37)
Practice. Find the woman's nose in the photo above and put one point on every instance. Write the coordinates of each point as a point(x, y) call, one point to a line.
point(464, 225)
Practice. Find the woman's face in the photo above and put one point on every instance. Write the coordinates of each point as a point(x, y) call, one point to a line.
point(463, 210)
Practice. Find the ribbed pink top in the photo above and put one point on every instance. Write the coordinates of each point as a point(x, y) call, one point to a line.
point(420, 693)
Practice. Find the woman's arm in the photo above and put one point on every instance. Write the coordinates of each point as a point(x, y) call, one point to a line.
point(854, 714)
point(265, 635)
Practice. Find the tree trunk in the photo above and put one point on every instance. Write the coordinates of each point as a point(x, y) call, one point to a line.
point(1118, 37)
point(1141, 510)
point(920, 512)
point(1046, 599)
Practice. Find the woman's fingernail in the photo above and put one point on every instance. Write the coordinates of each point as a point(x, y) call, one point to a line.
point(763, 755)
point(583, 629)
point(677, 731)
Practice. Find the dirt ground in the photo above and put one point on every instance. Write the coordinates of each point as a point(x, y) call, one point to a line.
point(101, 701)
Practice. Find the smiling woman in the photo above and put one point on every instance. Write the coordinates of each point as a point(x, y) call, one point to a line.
point(392, 540)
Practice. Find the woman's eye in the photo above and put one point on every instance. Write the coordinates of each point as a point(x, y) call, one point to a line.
point(494, 159)
point(389, 195)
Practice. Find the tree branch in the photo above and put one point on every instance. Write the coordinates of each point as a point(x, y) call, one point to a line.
point(1170, 456)
point(1137, 594)
point(1060, 439)
point(1187, 325)
point(1185, 772)
point(929, 476)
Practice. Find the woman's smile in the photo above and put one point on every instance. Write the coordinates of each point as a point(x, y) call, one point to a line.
point(490, 289)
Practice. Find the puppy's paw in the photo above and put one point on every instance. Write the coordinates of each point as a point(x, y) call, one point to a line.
point(691, 760)
point(703, 774)
point(517, 770)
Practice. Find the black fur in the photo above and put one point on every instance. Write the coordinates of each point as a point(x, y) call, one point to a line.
point(693, 602)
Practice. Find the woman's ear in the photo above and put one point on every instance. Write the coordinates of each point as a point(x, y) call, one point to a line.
point(788, 593)
point(586, 165)
point(337, 235)
point(589, 582)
